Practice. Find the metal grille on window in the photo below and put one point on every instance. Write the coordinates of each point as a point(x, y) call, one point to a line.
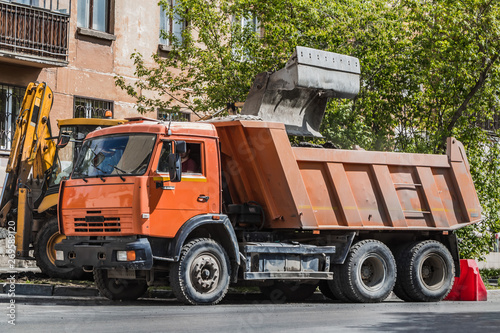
point(11, 99)
point(91, 108)
point(167, 115)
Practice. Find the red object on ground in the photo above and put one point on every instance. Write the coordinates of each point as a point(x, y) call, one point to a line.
point(469, 286)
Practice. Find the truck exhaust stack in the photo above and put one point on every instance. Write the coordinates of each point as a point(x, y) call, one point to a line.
point(297, 94)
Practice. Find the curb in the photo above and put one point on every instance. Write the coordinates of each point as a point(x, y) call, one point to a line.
point(23, 289)
point(47, 290)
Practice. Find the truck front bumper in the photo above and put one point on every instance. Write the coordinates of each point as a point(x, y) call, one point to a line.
point(103, 253)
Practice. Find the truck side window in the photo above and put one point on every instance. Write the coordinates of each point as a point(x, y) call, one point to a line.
point(191, 160)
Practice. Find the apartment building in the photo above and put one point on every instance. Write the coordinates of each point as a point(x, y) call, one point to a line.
point(77, 47)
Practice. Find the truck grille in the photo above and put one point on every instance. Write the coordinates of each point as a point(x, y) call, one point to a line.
point(97, 224)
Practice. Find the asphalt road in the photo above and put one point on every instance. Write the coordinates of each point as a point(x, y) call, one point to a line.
point(73, 315)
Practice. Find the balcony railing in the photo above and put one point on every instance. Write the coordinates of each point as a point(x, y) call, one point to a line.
point(34, 32)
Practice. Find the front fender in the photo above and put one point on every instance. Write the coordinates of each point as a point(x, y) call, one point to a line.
point(230, 242)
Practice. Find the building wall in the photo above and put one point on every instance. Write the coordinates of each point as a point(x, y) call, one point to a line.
point(93, 62)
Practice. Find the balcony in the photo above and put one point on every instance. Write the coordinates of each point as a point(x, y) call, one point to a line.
point(34, 35)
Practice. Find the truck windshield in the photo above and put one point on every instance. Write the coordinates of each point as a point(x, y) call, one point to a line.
point(114, 155)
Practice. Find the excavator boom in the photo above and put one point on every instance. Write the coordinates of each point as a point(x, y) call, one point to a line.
point(31, 151)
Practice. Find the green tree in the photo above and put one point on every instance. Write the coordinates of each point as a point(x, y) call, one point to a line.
point(429, 70)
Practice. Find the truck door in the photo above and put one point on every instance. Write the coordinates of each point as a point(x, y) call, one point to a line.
point(173, 203)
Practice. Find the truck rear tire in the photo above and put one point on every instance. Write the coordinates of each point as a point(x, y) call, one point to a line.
point(400, 253)
point(285, 291)
point(325, 290)
point(426, 272)
point(336, 285)
point(45, 253)
point(118, 289)
point(369, 272)
point(201, 276)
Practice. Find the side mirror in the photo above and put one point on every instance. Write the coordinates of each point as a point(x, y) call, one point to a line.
point(63, 140)
point(180, 147)
point(174, 167)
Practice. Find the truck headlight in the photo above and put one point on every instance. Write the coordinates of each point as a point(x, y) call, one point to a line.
point(125, 255)
point(121, 255)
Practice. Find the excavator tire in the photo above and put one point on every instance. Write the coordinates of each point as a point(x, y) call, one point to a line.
point(45, 253)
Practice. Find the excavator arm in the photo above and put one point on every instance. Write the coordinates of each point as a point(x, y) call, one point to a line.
point(32, 154)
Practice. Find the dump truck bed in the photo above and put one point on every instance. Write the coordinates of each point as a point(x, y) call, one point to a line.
point(313, 188)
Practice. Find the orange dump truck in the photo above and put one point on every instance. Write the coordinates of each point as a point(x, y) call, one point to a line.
point(198, 206)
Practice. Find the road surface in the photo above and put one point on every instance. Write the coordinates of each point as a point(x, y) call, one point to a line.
point(74, 315)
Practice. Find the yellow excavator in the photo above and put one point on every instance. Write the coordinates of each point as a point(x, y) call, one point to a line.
point(37, 163)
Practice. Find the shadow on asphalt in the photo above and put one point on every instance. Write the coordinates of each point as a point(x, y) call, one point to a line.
point(436, 322)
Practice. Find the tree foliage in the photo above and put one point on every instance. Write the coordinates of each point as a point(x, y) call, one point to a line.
point(430, 70)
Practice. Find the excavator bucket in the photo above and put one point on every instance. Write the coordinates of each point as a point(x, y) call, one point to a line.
point(297, 94)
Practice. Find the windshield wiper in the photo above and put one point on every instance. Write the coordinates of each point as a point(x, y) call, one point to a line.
point(101, 176)
point(119, 175)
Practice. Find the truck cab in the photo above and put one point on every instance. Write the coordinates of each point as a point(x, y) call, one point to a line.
point(120, 184)
point(123, 209)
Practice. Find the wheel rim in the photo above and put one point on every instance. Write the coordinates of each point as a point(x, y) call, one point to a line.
point(51, 243)
point(205, 272)
point(372, 272)
point(432, 271)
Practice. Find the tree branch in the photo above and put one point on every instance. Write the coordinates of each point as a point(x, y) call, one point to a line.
point(479, 83)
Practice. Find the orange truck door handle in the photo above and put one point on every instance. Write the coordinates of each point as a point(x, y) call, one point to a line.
point(203, 198)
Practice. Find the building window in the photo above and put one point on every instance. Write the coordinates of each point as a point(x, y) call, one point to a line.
point(167, 115)
point(94, 14)
point(11, 99)
point(170, 25)
point(91, 108)
point(61, 6)
point(34, 3)
point(243, 27)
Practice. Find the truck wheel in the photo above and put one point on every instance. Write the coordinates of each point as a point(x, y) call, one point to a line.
point(427, 272)
point(281, 291)
point(336, 285)
point(325, 290)
point(45, 252)
point(369, 272)
point(118, 289)
point(400, 254)
point(201, 276)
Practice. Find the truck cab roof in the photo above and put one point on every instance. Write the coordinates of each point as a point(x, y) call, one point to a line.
point(148, 125)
